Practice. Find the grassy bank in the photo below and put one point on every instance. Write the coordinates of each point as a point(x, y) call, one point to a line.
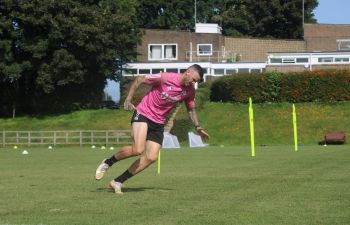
point(102, 119)
point(226, 123)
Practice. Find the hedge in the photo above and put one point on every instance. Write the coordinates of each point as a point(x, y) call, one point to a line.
point(310, 86)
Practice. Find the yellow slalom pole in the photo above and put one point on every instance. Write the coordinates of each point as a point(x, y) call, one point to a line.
point(158, 170)
point(159, 161)
point(251, 123)
point(295, 129)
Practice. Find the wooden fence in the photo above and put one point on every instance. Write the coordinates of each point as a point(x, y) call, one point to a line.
point(67, 137)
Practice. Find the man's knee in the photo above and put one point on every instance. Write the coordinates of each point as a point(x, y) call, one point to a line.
point(152, 158)
point(137, 150)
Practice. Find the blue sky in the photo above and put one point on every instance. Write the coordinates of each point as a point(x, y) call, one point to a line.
point(112, 89)
point(333, 11)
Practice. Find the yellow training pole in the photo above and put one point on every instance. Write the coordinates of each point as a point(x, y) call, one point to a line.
point(251, 123)
point(295, 129)
point(158, 171)
point(159, 162)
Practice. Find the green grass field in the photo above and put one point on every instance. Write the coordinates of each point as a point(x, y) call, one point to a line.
point(214, 185)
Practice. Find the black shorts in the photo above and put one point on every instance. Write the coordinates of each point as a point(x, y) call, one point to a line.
point(155, 130)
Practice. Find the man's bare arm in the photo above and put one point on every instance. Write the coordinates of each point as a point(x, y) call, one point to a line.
point(134, 86)
point(193, 116)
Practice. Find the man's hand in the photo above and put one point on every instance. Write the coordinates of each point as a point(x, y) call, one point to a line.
point(128, 105)
point(202, 133)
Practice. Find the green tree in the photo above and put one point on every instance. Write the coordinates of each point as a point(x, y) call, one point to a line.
point(55, 55)
point(258, 18)
point(175, 14)
point(265, 18)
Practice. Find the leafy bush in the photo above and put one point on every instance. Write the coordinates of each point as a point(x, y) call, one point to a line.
point(324, 86)
point(202, 95)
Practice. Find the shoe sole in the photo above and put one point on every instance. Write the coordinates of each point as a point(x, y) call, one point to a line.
point(111, 187)
point(99, 176)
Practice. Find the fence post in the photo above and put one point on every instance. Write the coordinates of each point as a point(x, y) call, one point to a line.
point(29, 138)
point(106, 138)
point(81, 138)
point(3, 138)
point(54, 138)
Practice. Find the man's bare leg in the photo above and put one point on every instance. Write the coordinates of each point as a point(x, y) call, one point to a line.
point(139, 134)
point(150, 156)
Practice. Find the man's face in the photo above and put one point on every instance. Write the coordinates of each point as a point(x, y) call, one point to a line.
point(190, 77)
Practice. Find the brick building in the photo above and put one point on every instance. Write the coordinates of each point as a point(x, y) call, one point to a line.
point(323, 37)
point(324, 46)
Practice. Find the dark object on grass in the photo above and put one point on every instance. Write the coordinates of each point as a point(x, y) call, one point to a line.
point(110, 104)
point(334, 138)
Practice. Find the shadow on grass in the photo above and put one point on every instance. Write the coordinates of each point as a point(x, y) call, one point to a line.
point(139, 189)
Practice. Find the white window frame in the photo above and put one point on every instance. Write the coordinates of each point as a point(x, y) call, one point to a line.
point(205, 54)
point(275, 58)
point(162, 52)
point(302, 58)
point(325, 59)
point(289, 60)
point(341, 59)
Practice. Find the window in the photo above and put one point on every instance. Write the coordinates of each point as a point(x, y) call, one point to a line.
point(204, 49)
point(130, 71)
point(170, 52)
point(275, 60)
point(172, 70)
point(162, 51)
point(243, 70)
point(255, 70)
point(325, 59)
point(144, 71)
point(302, 60)
point(288, 60)
point(343, 44)
point(230, 71)
point(155, 52)
point(341, 60)
point(219, 71)
point(154, 71)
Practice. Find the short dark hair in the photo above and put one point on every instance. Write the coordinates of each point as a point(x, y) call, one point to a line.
point(198, 69)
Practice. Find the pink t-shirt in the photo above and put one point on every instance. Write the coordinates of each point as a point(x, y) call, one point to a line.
point(166, 91)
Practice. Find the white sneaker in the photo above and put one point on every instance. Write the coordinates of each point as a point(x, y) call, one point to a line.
point(101, 169)
point(116, 186)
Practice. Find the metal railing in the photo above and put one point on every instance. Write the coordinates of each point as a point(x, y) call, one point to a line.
point(215, 56)
point(67, 137)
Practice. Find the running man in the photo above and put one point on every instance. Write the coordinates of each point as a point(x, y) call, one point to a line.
point(149, 118)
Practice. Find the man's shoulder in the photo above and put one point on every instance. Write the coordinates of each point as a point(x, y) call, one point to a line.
point(169, 76)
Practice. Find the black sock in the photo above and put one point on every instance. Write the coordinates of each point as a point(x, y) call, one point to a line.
point(126, 175)
point(111, 161)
